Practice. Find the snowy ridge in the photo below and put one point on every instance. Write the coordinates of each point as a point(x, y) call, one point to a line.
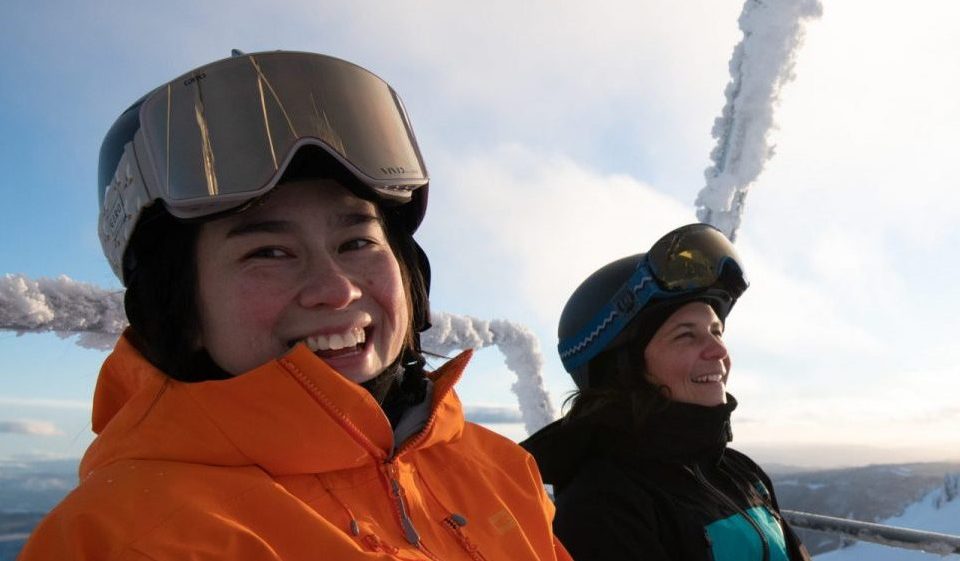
point(762, 63)
point(938, 511)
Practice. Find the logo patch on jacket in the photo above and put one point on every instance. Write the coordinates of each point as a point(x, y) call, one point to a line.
point(503, 521)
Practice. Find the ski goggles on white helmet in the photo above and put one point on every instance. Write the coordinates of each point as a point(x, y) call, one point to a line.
point(223, 134)
point(691, 259)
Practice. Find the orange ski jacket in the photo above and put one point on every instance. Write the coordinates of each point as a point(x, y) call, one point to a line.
point(290, 461)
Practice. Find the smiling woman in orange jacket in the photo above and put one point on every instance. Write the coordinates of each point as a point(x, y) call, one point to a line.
point(269, 400)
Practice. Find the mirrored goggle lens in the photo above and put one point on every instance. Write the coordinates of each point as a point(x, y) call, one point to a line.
point(693, 257)
point(227, 128)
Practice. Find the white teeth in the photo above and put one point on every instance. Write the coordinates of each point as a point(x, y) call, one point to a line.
point(318, 343)
point(336, 341)
point(708, 378)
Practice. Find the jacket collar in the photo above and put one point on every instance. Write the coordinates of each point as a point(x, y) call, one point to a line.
point(291, 415)
point(681, 433)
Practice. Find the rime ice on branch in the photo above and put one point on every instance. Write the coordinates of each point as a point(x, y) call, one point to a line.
point(64, 306)
point(68, 307)
point(520, 348)
point(762, 63)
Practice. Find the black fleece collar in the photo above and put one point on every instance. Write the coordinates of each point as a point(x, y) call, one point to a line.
point(681, 433)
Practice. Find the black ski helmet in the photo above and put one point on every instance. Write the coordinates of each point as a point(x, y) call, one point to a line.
point(693, 262)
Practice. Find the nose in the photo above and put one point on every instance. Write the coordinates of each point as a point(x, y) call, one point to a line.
point(714, 349)
point(327, 284)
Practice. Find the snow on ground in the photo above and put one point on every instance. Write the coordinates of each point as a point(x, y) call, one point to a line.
point(934, 513)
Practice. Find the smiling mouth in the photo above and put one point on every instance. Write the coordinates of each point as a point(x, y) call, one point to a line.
point(335, 344)
point(708, 379)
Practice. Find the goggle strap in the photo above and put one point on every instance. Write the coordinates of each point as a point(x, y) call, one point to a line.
point(611, 319)
point(123, 200)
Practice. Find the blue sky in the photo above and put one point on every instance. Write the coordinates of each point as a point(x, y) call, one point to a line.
point(560, 136)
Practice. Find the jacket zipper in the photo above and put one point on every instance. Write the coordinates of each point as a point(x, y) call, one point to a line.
point(454, 523)
point(706, 537)
point(409, 530)
point(698, 474)
point(390, 472)
point(396, 491)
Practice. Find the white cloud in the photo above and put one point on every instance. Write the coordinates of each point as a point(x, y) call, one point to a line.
point(551, 222)
point(45, 403)
point(31, 428)
point(492, 414)
point(784, 314)
point(547, 220)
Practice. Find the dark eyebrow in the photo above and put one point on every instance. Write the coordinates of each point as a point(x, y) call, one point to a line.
point(345, 220)
point(693, 325)
point(259, 227)
point(356, 218)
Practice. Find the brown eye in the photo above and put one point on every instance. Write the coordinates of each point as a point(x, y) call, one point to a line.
point(267, 253)
point(354, 245)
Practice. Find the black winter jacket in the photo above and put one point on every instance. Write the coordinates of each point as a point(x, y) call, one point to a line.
point(671, 490)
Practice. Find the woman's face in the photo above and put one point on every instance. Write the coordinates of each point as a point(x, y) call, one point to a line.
point(687, 355)
point(311, 264)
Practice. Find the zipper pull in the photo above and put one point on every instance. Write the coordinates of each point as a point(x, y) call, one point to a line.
point(409, 532)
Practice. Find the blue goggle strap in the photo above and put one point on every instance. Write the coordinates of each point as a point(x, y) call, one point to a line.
point(587, 343)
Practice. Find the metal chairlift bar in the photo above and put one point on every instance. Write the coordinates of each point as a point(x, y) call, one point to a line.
point(904, 538)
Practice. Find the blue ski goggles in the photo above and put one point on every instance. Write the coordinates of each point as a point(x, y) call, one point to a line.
point(693, 258)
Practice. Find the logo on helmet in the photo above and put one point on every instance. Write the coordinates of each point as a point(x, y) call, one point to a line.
point(391, 170)
point(196, 78)
point(115, 217)
point(626, 302)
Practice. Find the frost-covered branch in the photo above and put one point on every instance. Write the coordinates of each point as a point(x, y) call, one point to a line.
point(520, 348)
point(67, 307)
point(762, 63)
point(63, 306)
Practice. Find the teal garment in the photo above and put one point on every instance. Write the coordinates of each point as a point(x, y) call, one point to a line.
point(735, 539)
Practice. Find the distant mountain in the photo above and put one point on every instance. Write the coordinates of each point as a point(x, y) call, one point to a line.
point(14, 529)
point(876, 493)
point(28, 489)
point(872, 494)
point(35, 486)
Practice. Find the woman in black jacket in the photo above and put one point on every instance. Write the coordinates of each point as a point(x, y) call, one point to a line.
point(640, 464)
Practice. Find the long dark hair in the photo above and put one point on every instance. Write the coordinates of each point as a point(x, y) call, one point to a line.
point(619, 384)
point(162, 285)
